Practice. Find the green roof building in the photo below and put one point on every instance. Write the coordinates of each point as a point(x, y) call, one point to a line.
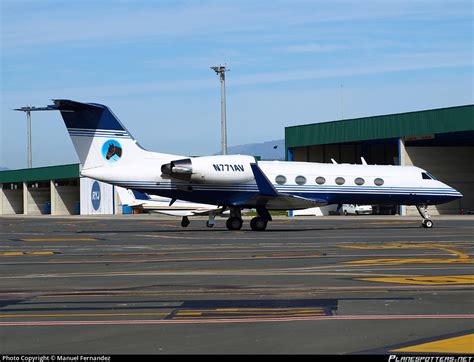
point(439, 140)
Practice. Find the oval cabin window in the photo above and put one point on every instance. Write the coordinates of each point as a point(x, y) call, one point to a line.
point(280, 180)
point(300, 180)
point(320, 180)
point(359, 181)
point(340, 181)
point(378, 181)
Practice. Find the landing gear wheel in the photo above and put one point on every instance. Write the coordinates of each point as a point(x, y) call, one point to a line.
point(185, 222)
point(234, 223)
point(423, 210)
point(346, 213)
point(209, 224)
point(258, 224)
point(428, 224)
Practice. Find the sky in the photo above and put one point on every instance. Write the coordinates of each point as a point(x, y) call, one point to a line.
point(290, 62)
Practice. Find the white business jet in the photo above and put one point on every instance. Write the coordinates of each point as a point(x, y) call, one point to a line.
point(109, 153)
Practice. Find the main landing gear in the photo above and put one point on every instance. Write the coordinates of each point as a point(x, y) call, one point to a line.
point(234, 222)
point(258, 223)
point(423, 210)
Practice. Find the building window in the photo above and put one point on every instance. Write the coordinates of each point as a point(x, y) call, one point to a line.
point(340, 180)
point(359, 181)
point(280, 180)
point(378, 181)
point(300, 180)
point(320, 180)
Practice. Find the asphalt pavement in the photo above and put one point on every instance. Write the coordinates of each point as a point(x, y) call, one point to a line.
point(138, 284)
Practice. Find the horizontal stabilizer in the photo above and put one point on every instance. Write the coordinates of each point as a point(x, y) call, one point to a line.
point(140, 195)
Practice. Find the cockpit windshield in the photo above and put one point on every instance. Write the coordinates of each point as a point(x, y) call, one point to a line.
point(427, 176)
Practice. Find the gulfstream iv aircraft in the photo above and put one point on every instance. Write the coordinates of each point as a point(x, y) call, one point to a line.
point(109, 153)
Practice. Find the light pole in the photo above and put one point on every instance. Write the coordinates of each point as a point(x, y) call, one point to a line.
point(220, 71)
point(28, 110)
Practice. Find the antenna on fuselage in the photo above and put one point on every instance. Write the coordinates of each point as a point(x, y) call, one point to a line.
point(333, 161)
point(364, 162)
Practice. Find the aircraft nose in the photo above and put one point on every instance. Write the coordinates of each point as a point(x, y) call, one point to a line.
point(455, 193)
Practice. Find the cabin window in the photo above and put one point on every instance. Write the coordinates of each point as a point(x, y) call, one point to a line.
point(280, 180)
point(359, 181)
point(300, 180)
point(340, 180)
point(320, 180)
point(378, 181)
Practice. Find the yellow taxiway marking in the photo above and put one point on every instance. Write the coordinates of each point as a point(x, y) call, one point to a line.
point(58, 239)
point(462, 258)
point(19, 253)
point(162, 314)
point(250, 312)
point(412, 261)
point(434, 280)
point(462, 344)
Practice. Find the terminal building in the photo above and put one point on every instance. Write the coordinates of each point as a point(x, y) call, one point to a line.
point(438, 140)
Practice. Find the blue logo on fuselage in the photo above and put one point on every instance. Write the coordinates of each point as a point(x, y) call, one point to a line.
point(95, 195)
point(112, 150)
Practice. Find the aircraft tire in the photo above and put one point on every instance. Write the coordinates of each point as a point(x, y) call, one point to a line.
point(185, 222)
point(428, 224)
point(258, 224)
point(234, 223)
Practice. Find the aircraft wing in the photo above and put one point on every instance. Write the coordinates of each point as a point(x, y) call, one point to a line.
point(270, 198)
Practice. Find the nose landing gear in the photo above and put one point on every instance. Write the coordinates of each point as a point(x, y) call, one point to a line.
point(423, 210)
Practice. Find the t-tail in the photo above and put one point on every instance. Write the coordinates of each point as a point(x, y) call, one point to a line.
point(99, 138)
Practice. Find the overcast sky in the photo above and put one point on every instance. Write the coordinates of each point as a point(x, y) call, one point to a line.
point(291, 62)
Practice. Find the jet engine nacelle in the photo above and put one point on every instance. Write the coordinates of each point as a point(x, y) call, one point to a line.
point(211, 169)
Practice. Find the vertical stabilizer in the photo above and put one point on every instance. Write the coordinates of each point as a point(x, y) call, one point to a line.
point(98, 136)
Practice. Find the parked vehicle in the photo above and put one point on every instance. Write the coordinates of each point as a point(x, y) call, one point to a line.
point(356, 209)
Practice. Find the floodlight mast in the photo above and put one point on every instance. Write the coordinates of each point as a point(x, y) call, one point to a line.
point(220, 71)
point(29, 152)
point(28, 110)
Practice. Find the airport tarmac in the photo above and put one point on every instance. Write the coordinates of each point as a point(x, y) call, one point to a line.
point(137, 284)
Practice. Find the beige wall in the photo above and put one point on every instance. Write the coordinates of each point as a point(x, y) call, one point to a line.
point(64, 199)
point(35, 199)
point(11, 201)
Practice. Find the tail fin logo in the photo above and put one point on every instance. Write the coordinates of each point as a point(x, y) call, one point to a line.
point(112, 150)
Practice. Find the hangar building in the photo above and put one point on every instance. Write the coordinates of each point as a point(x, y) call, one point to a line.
point(438, 140)
point(55, 190)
